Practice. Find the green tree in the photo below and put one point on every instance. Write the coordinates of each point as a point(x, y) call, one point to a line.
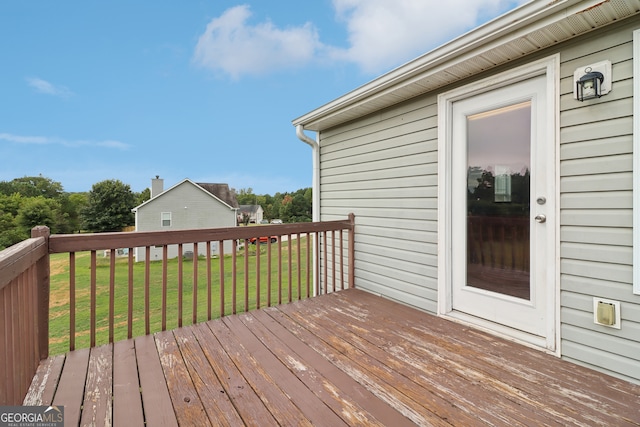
point(32, 186)
point(72, 206)
point(10, 233)
point(11, 204)
point(246, 197)
point(143, 196)
point(38, 211)
point(109, 206)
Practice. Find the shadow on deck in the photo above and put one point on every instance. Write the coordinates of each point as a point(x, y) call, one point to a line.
point(347, 358)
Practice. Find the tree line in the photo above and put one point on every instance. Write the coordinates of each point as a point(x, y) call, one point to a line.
point(289, 207)
point(37, 200)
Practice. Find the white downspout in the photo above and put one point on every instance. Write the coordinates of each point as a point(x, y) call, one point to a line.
point(315, 145)
point(315, 190)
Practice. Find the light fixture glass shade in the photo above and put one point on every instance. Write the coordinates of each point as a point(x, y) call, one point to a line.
point(589, 85)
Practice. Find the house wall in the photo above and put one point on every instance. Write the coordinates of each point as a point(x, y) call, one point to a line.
point(596, 201)
point(383, 168)
point(190, 208)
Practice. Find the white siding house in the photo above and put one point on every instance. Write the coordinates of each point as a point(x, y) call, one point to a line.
point(486, 193)
point(186, 205)
point(255, 213)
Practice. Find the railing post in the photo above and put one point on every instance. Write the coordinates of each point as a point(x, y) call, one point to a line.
point(42, 267)
point(352, 251)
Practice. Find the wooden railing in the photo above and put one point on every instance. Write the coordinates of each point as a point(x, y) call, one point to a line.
point(305, 259)
point(24, 314)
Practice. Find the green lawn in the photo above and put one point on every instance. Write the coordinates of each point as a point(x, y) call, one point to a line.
point(59, 297)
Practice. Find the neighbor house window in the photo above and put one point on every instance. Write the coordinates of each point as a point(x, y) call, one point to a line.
point(166, 219)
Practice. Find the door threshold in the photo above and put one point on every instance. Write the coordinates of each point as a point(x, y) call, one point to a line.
point(524, 338)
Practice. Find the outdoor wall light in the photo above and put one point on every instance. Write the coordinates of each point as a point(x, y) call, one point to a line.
point(592, 81)
point(590, 85)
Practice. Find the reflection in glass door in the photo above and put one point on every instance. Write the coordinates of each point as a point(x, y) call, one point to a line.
point(498, 194)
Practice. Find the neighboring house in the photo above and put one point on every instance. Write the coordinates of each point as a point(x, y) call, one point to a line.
point(486, 193)
point(255, 212)
point(186, 205)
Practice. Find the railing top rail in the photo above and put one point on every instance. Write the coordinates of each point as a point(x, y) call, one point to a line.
point(62, 243)
point(17, 258)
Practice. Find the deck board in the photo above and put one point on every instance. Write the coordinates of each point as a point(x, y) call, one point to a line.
point(46, 379)
point(154, 393)
point(127, 404)
point(251, 409)
point(70, 391)
point(275, 400)
point(186, 403)
point(348, 358)
point(98, 394)
point(219, 408)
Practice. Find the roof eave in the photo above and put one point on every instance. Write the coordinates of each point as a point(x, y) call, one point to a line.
point(530, 27)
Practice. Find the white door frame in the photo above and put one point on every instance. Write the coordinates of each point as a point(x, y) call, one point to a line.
point(548, 67)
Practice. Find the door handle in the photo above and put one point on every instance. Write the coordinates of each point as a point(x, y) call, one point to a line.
point(541, 218)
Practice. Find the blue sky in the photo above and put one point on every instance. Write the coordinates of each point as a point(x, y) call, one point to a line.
point(93, 90)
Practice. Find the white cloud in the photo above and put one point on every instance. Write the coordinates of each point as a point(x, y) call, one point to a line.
point(382, 34)
point(44, 140)
point(43, 86)
point(231, 45)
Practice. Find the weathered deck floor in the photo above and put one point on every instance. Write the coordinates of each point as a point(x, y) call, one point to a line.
point(348, 358)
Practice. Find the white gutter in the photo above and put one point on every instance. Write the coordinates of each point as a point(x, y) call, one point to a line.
point(315, 184)
point(315, 190)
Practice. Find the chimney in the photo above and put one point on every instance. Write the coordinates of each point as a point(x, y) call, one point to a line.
point(157, 186)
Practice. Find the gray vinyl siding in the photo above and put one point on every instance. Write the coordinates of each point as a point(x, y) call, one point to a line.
point(383, 168)
point(596, 208)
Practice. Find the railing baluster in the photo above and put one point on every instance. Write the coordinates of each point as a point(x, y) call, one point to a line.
point(30, 337)
point(325, 262)
point(72, 301)
point(234, 278)
point(180, 284)
point(341, 262)
point(22, 326)
point(269, 273)
point(130, 295)
point(280, 271)
point(112, 291)
point(352, 250)
point(316, 243)
point(246, 275)
point(333, 261)
point(194, 314)
point(6, 354)
point(165, 255)
point(147, 280)
point(221, 268)
point(92, 303)
point(299, 267)
point(208, 258)
point(289, 270)
point(308, 263)
point(258, 272)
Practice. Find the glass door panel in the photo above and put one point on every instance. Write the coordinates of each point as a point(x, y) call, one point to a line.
point(498, 195)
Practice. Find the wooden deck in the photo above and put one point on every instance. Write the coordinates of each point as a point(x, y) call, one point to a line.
point(347, 358)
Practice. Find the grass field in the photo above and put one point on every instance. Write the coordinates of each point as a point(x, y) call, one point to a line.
point(59, 296)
